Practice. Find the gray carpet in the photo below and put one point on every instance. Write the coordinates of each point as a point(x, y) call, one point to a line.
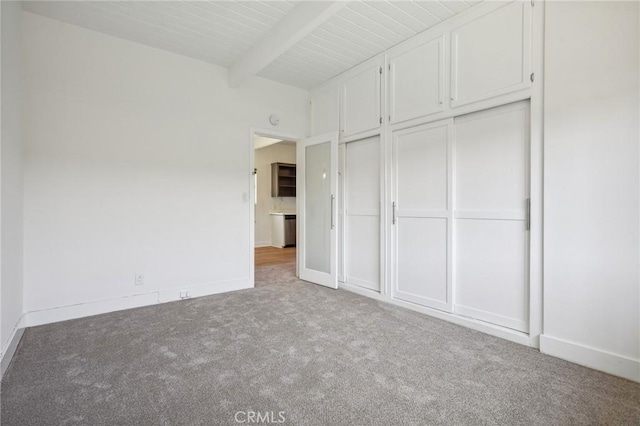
point(319, 356)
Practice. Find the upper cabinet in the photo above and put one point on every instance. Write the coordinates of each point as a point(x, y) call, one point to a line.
point(416, 80)
point(325, 110)
point(478, 59)
point(490, 55)
point(361, 100)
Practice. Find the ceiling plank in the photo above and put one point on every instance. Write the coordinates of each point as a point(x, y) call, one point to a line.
point(302, 20)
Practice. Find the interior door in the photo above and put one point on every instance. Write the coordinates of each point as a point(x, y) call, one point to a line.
point(317, 205)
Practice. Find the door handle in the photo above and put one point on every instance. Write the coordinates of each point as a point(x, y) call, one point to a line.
point(333, 197)
point(393, 213)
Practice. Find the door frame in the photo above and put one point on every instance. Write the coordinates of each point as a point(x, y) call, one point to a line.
point(269, 133)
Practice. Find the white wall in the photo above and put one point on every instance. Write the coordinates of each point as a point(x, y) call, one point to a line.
point(281, 153)
point(137, 160)
point(11, 177)
point(591, 220)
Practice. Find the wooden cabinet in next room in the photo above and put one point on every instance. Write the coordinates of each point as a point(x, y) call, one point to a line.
point(283, 180)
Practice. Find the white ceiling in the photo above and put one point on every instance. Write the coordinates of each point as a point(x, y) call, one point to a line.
point(359, 31)
point(222, 32)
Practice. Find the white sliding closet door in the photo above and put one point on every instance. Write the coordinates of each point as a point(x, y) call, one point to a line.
point(422, 218)
point(361, 176)
point(491, 214)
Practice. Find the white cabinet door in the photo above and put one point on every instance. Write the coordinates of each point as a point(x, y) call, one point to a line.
point(491, 215)
point(417, 81)
point(361, 101)
point(325, 111)
point(362, 213)
point(421, 215)
point(490, 55)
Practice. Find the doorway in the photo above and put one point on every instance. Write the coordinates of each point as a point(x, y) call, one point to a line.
point(273, 201)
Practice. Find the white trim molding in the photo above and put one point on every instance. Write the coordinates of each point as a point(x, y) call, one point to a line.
point(586, 356)
point(81, 310)
point(484, 327)
point(7, 356)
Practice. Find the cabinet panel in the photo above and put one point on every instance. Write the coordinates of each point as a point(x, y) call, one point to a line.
point(325, 111)
point(361, 102)
point(490, 55)
point(417, 81)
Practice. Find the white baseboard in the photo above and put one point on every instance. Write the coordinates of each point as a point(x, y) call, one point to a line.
point(362, 291)
point(64, 313)
point(7, 355)
point(484, 327)
point(262, 244)
point(597, 359)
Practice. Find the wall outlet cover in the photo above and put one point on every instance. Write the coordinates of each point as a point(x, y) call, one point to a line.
point(139, 279)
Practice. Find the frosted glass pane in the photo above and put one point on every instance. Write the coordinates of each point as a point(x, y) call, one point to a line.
point(318, 207)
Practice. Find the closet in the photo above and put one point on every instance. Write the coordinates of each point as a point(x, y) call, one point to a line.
point(435, 162)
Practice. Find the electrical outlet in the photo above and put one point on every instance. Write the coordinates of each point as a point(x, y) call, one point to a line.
point(139, 279)
point(185, 294)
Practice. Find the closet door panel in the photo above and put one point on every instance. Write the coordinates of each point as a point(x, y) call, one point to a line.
point(361, 102)
point(325, 111)
point(416, 81)
point(363, 251)
point(491, 156)
point(421, 158)
point(492, 187)
point(491, 270)
point(362, 213)
point(422, 215)
point(363, 175)
point(422, 261)
point(490, 55)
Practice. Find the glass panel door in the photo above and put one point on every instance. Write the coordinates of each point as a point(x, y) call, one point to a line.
point(318, 176)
